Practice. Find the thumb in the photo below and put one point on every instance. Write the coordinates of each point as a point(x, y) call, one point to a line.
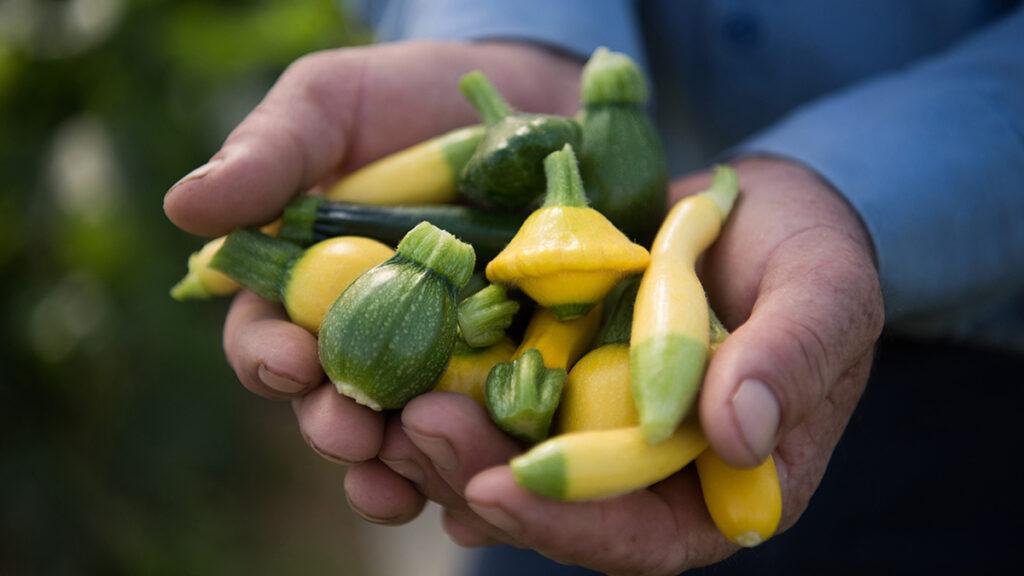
point(818, 310)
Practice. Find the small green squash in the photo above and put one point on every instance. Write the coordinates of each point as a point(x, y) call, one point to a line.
point(622, 159)
point(389, 336)
point(507, 168)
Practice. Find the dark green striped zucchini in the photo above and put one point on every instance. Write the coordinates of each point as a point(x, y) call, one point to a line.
point(312, 219)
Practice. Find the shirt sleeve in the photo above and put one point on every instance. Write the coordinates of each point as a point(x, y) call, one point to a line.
point(574, 26)
point(932, 159)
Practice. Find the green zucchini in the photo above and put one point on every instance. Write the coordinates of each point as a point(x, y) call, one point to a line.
point(389, 336)
point(311, 219)
point(522, 396)
point(622, 159)
point(507, 168)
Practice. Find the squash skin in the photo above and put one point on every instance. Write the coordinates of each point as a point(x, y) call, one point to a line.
point(622, 158)
point(507, 169)
point(203, 282)
point(323, 272)
point(468, 368)
point(425, 173)
point(567, 256)
point(311, 219)
point(597, 464)
point(389, 336)
point(560, 343)
point(745, 504)
point(624, 168)
point(670, 340)
point(597, 393)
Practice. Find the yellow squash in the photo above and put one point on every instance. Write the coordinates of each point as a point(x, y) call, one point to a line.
point(202, 282)
point(745, 504)
point(306, 281)
point(324, 271)
point(669, 346)
point(468, 368)
point(560, 343)
point(597, 394)
point(603, 463)
point(567, 256)
point(426, 173)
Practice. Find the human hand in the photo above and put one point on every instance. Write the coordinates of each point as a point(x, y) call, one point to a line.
point(328, 114)
point(793, 272)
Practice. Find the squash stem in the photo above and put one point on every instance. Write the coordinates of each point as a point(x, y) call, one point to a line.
point(257, 261)
point(440, 252)
point(484, 97)
point(484, 316)
point(522, 396)
point(612, 78)
point(565, 186)
point(724, 189)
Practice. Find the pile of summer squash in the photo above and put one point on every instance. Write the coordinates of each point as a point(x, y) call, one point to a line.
point(553, 222)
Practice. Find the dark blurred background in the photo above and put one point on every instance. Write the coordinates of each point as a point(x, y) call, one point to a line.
point(126, 444)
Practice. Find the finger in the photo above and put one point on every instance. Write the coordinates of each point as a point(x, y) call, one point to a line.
point(340, 109)
point(294, 137)
point(463, 534)
point(380, 496)
point(401, 455)
point(817, 312)
point(456, 434)
point(271, 356)
point(338, 428)
point(656, 531)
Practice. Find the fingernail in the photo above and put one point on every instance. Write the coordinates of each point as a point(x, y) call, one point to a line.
point(199, 172)
point(370, 517)
point(437, 449)
point(497, 517)
point(407, 469)
point(757, 411)
point(323, 453)
point(282, 384)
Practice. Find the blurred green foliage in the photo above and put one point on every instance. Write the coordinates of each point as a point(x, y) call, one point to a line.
point(127, 447)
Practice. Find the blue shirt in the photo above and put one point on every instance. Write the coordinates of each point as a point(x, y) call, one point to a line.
point(913, 110)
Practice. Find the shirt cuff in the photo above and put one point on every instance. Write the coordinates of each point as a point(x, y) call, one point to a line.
point(931, 168)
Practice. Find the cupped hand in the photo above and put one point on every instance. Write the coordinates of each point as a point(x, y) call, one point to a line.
point(328, 114)
point(793, 275)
